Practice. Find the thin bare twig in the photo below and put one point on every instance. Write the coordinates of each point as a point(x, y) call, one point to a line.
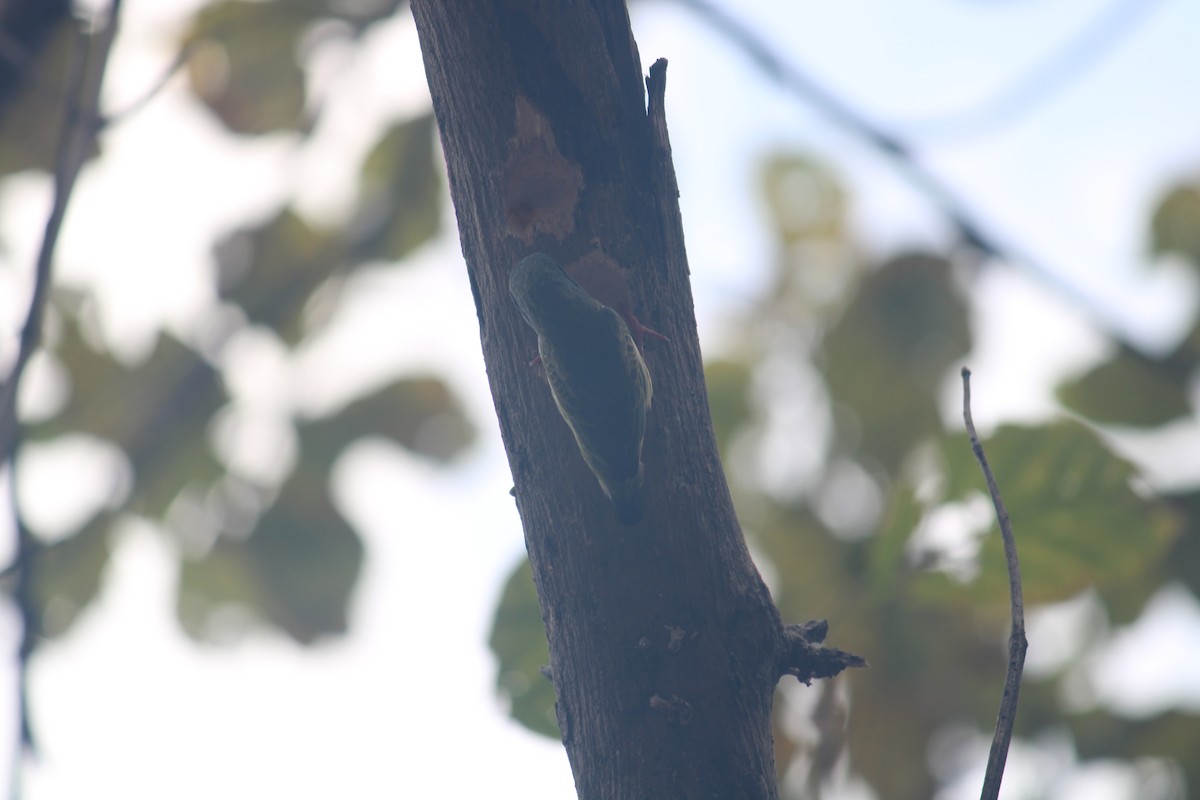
point(154, 90)
point(76, 138)
point(1016, 638)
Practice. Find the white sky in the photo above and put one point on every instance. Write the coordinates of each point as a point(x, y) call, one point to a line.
point(404, 706)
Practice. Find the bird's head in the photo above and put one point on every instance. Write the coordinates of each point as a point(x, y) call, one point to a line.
point(541, 289)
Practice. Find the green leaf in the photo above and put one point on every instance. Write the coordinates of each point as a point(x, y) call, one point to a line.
point(421, 414)
point(399, 205)
point(171, 399)
point(1173, 735)
point(886, 356)
point(1131, 389)
point(1175, 227)
point(273, 270)
point(296, 569)
point(358, 15)
point(728, 385)
point(31, 116)
point(1076, 520)
point(243, 63)
point(889, 548)
point(67, 575)
point(802, 550)
point(519, 641)
point(1182, 562)
point(157, 412)
point(805, 199)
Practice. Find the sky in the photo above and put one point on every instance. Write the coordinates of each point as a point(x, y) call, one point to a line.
point(403, 704)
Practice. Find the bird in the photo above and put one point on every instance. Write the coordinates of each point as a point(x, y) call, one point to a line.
point(597, 376)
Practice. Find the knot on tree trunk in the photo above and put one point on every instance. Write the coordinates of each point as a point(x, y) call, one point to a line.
point(804, 657)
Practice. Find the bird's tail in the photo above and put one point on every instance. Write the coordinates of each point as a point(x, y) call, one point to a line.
point(627, 499)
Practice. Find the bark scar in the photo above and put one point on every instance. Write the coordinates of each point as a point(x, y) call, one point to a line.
point(605, 280)
point(540, 187)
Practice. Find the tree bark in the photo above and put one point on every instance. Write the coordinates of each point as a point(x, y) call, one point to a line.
point(665, 646)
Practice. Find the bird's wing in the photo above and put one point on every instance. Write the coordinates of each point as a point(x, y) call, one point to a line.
point(602, 387)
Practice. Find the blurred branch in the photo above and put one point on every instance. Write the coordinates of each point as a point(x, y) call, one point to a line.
point(950, 203)
point(1016, 639)
point(156, 88)
point(78, 132)
point(1047, 76)
point(28, 550)
point(76, 138)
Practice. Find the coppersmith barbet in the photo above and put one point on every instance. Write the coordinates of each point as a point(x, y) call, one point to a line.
point(596, 373)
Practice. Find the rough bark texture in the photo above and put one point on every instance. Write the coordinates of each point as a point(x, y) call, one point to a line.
point(665, 645)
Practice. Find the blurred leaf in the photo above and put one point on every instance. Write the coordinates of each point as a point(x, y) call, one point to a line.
point(32, 115)
point(157, 412)
point(67, 575)
point(169, 402)
point(218, 593)
point(296, 569)
point(519, 641)
point(272, 271)
point(804, 198)
point(360, 14)
point(821, 576)
point(1125, 598)
point(937, 648)
point(399, 205)
point(817, 266)
point(419, 413)
point(243, 62)
point(1186, 563)
point(27, 27)
point(930, 667)
point(1175, 227)
point(728, 385)
point(95, 376)
point(245, 56)
point(889, 554)
point(1130, 389)
point(810, 561)
point(307, 558)
point(1076, 520)
point(886, 356)
point(786, 750)
point(1172, 734)
point(1125, 601)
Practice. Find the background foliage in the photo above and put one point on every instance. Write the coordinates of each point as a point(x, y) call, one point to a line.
point(853, 481)
point(278, 550)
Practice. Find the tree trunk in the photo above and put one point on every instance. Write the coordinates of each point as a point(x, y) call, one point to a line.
point(665, 646)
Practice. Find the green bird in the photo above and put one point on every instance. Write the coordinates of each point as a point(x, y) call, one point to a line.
point(596, 373)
